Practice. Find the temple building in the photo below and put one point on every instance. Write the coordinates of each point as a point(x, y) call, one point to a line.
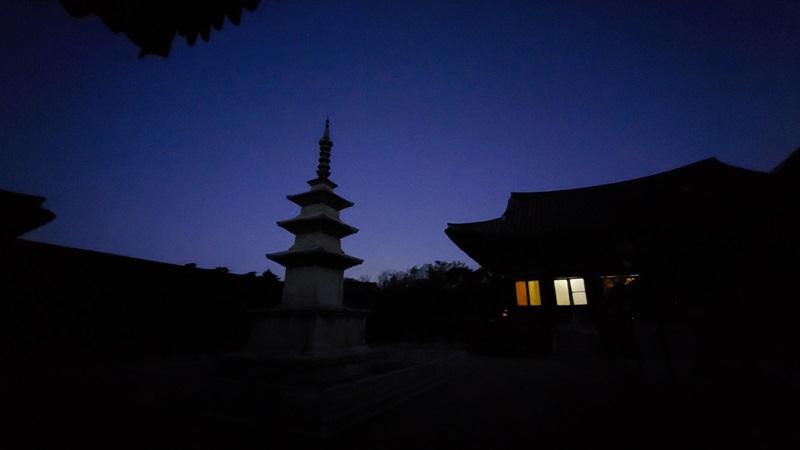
point(703, 240)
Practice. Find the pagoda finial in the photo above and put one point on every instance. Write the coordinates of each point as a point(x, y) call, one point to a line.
point(325, 145)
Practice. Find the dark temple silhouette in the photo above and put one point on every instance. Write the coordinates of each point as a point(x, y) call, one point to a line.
point(689, 264)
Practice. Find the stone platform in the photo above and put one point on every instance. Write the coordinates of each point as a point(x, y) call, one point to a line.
point(307, 332)
point(289, 396)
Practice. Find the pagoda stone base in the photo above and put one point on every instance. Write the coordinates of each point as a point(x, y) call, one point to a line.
point(308, 332)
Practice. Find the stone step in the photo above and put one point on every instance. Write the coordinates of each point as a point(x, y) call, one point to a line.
point(246, 398)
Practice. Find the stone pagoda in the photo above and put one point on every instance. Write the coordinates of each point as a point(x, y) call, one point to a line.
point(311, 319)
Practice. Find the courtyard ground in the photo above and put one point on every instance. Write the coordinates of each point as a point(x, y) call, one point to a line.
point(500, 402)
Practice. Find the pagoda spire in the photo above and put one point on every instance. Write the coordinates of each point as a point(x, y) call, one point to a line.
point(325, 145)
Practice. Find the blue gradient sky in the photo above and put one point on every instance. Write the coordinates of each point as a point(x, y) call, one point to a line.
point(438, 113)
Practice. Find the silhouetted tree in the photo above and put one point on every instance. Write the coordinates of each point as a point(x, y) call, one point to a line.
point(435, 301)
point(269, 276)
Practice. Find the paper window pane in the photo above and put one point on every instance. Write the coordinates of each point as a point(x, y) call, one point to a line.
point(522, 299)
point(576, 284)
point(533, 293)
point(562, 292)
point(579, 298)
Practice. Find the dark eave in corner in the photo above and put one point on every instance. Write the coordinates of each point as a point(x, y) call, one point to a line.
point(21, 213)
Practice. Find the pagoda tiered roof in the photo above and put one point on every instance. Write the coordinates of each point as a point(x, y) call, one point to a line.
point(316, 256)
point(318, 222)
point(324, 197)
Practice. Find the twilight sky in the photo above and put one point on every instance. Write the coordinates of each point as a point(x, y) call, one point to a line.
point(438, 113)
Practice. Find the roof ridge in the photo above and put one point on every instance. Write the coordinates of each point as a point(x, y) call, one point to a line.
point(664, 174)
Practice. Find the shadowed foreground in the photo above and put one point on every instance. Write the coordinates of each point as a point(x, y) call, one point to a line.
point(501, 403)
point(579, 403)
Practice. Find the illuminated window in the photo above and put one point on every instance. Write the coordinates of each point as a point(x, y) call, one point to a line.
point(533, 293)
point(578, 290)
point(522, 294)
point(570, 291)
point(528, 293)
point(562, 292)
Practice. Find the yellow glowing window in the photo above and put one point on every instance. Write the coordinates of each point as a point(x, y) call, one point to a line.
point(528, 293)
point(533, 293)
point(570, 291)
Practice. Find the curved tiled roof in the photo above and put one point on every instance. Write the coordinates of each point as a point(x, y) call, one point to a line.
point(609, 205)
point(602, 221)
